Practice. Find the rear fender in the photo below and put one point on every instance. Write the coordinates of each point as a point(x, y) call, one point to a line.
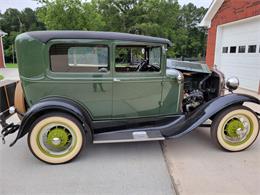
point(54, 104)
point(206, 111)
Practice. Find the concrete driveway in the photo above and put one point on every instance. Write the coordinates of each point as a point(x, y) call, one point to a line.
point(198, 167)
point(126, 168)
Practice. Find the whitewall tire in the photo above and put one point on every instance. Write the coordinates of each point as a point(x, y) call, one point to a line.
point(235, 129)
point(56, 138)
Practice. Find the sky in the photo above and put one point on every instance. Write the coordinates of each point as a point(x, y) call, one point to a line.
point(21, 4)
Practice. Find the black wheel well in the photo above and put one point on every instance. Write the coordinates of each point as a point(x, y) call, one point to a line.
point(85, 123)
point(213, 116)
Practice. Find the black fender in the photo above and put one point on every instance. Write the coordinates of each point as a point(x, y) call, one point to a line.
point(204, 112)
point(55, 104)
point(185, 123)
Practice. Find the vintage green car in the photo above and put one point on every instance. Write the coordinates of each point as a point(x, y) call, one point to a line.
point(105, 87)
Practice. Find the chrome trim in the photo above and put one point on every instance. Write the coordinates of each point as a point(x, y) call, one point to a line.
point(127, 140)
point(221, 75)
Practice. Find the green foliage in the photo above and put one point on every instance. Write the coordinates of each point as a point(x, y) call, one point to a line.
point(69, 15)
point(10, 65)
point(161, 18)
point(15, 22)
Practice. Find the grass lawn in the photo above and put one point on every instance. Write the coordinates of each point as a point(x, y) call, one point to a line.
point(10, 65)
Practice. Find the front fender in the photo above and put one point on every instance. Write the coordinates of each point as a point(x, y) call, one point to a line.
point(204, 112)
point(53, 104)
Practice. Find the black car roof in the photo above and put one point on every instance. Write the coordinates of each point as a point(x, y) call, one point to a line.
point(45, 36)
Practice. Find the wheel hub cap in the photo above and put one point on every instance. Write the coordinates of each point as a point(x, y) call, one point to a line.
point(57, 137)
point(56, 141)
point(236, 129)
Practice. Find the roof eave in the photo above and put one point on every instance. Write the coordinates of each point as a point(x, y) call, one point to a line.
point(213, 9)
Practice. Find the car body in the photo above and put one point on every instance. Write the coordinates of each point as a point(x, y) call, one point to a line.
point(115, 87)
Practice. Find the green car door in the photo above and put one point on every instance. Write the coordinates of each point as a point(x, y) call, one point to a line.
point(80, 71)
point(137, 80)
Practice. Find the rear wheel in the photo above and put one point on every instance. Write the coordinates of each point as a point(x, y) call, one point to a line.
point(235, 128)
point(56, 138)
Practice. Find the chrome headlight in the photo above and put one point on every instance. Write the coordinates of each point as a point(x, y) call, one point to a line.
point(232, 83)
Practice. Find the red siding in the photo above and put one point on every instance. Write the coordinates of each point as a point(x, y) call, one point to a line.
point(1, 54)
point(230, 11)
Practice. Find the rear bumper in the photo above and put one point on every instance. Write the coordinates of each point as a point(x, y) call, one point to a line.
point(7, 128)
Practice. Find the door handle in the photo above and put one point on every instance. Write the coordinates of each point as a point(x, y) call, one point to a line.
point(116, 80)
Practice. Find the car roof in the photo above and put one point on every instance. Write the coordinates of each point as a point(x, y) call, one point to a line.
point(45, 36)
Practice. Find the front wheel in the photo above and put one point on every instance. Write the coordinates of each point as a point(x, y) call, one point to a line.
point(56, 138)
point(235, 128)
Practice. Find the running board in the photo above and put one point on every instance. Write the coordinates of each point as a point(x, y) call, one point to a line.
point(127, 136)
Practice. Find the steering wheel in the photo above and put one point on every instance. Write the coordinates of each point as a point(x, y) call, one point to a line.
point(142, 65)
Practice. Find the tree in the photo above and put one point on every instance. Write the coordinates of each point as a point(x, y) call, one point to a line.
point(15, 22)
point(191, 41)
point(69, 15)
point(160, 18)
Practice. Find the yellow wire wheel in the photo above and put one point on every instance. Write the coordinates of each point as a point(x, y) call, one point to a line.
point(235, 129)
point(56, 138)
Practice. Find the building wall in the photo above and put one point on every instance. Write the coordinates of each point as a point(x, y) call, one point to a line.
point(1, 54)
point(230, 11)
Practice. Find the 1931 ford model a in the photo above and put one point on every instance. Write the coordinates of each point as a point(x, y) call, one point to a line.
point(104, 87)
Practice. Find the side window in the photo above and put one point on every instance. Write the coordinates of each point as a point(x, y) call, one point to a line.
point(242, 49)
point(233, 49)
point(138, 58)
point(79, 58)
point(252, 49)
point(224, 49)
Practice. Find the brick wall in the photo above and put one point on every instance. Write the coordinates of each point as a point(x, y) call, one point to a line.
point(1, 54)
point(230, 11)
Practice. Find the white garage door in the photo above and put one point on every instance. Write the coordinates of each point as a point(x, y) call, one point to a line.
point(238, 54)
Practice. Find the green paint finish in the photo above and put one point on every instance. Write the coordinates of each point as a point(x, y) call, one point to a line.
point(138, 94)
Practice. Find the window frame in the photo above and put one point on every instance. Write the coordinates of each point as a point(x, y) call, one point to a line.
point(138, 44)
point(78, 43)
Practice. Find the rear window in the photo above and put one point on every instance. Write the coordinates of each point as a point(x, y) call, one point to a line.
point(79, 58)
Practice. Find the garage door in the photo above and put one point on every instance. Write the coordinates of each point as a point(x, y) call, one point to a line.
point(239, 52)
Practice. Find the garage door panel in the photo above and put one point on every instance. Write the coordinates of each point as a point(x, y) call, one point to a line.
point(246, 66)
point(240, 72)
